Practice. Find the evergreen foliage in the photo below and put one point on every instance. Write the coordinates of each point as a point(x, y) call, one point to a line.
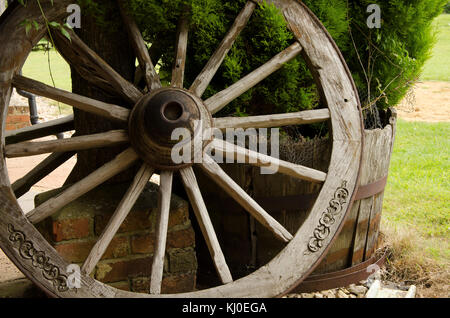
point(384, 62)
point(447, 8)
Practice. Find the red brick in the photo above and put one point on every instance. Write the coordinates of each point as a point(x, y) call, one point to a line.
point(10, 127)
point(172, 284)
point(122, 270)
point(179, 216)
point(182, 260)
point(143, 244)
point(13, 110)
point(178, 283)
point(181, 238)
point(77, 252)
point(74, 252)
point(23, 125)
point(135, 221)
point(141, 285)
point(71, 229)
point(125, 285)
point(13, 119)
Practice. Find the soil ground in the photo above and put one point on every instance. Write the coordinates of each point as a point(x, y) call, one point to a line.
point(428, 101)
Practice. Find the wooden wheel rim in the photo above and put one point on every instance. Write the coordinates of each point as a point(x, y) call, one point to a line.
point(41, 263)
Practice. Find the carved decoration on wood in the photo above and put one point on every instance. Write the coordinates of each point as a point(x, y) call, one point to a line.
point(38, 259)
point(322, 231)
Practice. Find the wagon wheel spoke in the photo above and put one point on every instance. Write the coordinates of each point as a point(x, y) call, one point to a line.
point(93, 68)
point(151, 77)
point(162, 224)
point(106, 139)
point(204, 78)
point(206, 226)
point(237, 193)
point(90, 105)
point(52, 127)
point(261, 160)
point(223, 98)
point(123, 209)
point(110, 169)
point(276, 120)
point(47, 166)
point(181, 50)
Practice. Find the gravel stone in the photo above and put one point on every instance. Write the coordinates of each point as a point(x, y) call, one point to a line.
point(341, 294)
point(357, 289)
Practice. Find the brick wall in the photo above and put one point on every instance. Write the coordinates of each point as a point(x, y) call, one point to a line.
point(127, 262)
point(18, 117)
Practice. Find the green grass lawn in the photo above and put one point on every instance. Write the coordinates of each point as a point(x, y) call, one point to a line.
point(38, 67)
point(437, 67)
point(43, 66)
point(417, 196)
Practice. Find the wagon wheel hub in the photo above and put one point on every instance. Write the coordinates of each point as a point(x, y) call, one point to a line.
point(151, 123)
point(166, 121)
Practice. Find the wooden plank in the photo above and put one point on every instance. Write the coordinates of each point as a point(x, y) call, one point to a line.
point(375, 165)
point(181, 50)
point(261, 160)
point(107, 139)
point(223, 98)
point(123, 209)
point(380, 168)
point(247, 202)
point(327, 67)
point(117, 165)
point(204, 78)
point(276, 120)
point(52, 127)
point(206, 226)
point(47, 166)
point(90, 105)
point(162, 225)
point(140, 48)
point(76, 51)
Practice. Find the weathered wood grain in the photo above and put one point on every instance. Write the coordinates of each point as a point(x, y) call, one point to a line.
point(98, 72)
point(87, 104)
point(293, 262)
point(140, 48)
point(237, 193)
point(43, 169)
point(123, 209)
point(117, 165)
point(261, 160)
point(206, 226)
point(206, 75)
point(107, 139)
point(162, 225)
point(223, 98)
point(52, 127)
point(181, 50)
point(276, 120)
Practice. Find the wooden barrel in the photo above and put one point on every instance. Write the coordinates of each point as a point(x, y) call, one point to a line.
point(247, 245)
point(359, 238)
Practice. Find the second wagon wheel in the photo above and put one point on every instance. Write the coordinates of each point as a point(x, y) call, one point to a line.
point(157, 111)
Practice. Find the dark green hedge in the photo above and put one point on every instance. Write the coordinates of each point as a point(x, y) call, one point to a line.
point(384, 62)
point(447, 8)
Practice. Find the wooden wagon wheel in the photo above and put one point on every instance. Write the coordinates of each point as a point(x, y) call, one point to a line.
point(148, 138)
